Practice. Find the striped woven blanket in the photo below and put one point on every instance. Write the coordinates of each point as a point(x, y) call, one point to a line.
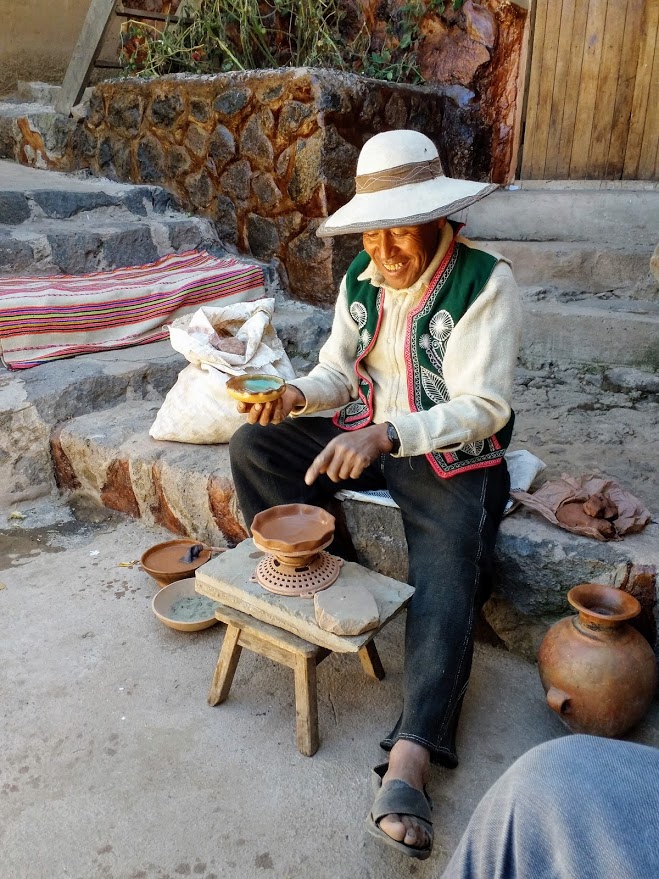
point(48, 318)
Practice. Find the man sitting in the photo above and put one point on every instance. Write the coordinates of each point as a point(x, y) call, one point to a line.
point(420, 359)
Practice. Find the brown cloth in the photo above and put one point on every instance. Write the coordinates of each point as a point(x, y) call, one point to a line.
point(562, 502)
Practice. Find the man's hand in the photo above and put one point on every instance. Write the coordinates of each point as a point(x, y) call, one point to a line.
point(275, 412)
point(348, 455)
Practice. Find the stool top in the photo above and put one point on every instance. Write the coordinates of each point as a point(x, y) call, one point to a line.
point(227, 579)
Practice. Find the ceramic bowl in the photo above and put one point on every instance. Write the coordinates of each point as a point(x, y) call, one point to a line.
point(164, 560)
point(256, 388)
point(168, 596)
point(291, 529)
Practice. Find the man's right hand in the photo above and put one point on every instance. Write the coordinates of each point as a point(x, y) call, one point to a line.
point(275, 412)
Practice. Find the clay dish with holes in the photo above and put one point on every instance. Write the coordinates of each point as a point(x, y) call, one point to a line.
point(256, 388)
point(293, 529)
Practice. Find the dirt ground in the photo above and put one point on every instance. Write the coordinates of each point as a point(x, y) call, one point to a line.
point(114, 767)
point(577, 423)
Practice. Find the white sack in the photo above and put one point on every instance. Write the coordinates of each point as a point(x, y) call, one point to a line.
point(198, 409)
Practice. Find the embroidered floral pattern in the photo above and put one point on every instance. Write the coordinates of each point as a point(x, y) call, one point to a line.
point(434, 386)
point(474, 449)
point(359, 315)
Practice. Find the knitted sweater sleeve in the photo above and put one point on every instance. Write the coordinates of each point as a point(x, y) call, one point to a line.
point(333, 382)
point(479, 366)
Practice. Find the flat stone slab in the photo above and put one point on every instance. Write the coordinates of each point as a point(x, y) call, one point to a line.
point(227, 579)
point(346, 608)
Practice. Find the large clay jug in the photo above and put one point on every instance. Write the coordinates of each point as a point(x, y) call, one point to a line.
point(598, 672)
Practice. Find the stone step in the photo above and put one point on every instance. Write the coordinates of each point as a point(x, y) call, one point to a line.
point(44, 93)
point(52, 222)
point(34, 401)
point(86, 244)
point(32, 133)
point(570, 328)
point(109, 457)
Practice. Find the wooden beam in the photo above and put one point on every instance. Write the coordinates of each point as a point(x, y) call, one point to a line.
point(84, 54)
point(151, 16)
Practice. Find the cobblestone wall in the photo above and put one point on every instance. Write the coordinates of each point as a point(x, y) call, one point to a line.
point(266, 154)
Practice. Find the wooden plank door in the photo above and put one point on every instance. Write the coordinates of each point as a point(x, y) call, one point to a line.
point(593, 94)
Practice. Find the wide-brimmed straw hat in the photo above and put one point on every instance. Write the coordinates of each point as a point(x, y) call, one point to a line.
point(400, 182)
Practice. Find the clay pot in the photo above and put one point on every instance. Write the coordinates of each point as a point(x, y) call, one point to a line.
point(165, 562)
point(598, 672)
point(294, 533)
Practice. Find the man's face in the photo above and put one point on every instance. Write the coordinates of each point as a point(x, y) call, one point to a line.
point(403, 254)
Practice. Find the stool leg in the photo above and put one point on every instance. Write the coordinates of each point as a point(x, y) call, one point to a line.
point(226, 666)
point(370, 660)
point(306, 705)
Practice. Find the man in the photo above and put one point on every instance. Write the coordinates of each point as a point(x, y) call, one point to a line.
point(579, 806)
point(420, 359)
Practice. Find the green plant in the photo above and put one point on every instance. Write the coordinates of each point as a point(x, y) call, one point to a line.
point(224, 35)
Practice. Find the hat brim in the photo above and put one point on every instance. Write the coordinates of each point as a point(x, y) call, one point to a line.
point(410, 205)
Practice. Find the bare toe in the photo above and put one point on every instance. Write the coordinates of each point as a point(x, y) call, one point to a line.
point(415, 835)
point(394, 827)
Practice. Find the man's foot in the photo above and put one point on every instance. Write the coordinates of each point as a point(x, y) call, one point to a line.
point(408, 762)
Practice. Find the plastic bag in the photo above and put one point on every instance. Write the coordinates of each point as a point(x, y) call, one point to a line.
point(237, 339)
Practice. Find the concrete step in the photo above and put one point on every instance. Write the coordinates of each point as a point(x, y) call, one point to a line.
point(573, 328)
point(109, 457)
point(624, 216)
point(580, 266)
point(577, 237)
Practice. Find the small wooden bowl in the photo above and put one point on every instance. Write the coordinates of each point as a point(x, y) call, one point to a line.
point(163, 561)
point(164, 600)
point(256, 388)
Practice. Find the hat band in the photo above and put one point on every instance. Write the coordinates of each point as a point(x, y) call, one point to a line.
point(401, 175)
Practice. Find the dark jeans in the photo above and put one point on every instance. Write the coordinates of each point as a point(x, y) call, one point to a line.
point(579, 806)
point(450, 527)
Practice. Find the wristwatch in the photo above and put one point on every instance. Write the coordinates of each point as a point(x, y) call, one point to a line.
point(393, 438)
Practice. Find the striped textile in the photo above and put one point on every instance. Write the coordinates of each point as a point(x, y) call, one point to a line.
point(48, 318)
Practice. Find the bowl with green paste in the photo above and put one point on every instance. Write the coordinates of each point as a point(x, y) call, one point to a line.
point(181, 608)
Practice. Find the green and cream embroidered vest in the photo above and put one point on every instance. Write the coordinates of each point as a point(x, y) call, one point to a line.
point(458, 281)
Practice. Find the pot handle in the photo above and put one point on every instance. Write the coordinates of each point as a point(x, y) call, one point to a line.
point(558, 701)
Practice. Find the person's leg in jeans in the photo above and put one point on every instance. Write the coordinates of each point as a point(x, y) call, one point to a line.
point(579, 807)
point(268, 466)
point(450, 527)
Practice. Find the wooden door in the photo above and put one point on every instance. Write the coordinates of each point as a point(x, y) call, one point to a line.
point(592, 108)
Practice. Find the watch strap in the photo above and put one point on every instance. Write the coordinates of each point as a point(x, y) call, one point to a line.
point(394, 439)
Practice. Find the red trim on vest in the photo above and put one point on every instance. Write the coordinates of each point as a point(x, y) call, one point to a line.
point(444, 475)
point(366, 378)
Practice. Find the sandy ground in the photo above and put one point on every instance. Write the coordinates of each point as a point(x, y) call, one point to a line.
point(114, 767)
point(576, 425)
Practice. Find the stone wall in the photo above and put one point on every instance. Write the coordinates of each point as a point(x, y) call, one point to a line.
point(266, 154)
point(471, 55)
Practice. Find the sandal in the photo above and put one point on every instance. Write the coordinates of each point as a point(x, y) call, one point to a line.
point(397, 797)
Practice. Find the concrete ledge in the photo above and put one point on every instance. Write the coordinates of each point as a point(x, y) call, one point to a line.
point(575, 265)
point(587, 330)
point(628, 218)
point(188, 489)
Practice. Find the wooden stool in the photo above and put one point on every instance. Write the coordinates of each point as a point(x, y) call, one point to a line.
point(287, 649)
